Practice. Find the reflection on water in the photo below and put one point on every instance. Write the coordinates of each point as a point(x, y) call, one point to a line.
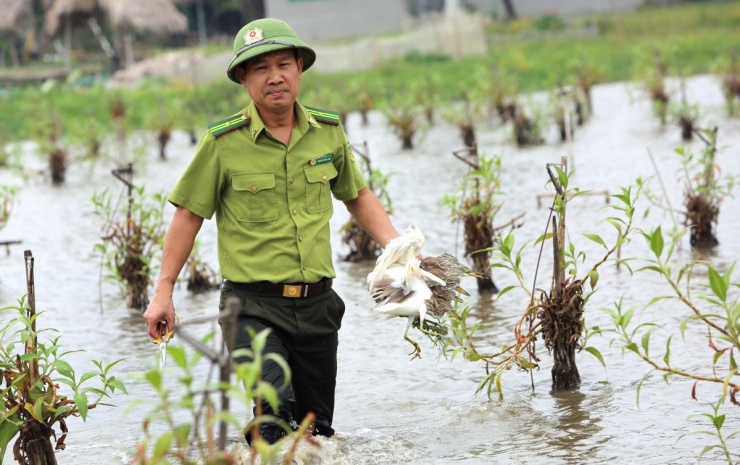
point(390, 409)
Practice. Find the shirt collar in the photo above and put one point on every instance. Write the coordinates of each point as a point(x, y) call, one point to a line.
point(303, 120)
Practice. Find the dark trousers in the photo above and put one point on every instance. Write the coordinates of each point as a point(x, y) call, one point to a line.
point(304, 333)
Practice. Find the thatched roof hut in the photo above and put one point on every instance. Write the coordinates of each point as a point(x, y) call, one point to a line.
point(15, 12)
point(157, 16)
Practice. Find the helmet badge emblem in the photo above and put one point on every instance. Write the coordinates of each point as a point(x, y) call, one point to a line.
point(252, 36)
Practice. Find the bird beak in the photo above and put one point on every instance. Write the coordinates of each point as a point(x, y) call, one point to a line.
point(462, 291)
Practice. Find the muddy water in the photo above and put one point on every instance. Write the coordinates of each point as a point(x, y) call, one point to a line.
point(389, 409)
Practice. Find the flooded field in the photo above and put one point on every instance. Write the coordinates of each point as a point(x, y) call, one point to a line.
point(391, 410)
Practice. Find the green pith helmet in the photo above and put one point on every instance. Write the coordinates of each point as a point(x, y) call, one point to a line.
point(264, 36)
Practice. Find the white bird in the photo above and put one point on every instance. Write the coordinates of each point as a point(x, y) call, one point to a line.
point(399, 286)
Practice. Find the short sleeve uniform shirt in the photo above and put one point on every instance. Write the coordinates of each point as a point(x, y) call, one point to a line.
point(272, 203)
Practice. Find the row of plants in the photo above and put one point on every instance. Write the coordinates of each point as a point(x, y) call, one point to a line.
point(556, 317)
point(696, 289)
point(34, 410)
point(78, 124)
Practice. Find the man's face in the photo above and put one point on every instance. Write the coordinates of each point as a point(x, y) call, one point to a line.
point(272, 80)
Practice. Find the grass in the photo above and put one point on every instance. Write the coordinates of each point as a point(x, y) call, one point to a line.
point(692, 37)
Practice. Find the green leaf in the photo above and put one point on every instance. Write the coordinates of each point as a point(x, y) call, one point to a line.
point(81, 404)
point(633, 347)
point(117, 384)
point(88, 375)
point(656, 242)
point(596, 238)
point(162, 446)
point(154, 377)
point(667, 356)
point(546, 237)
point(111, 365)
point(177, 354)
point(505, 290)
point(593, 278)
point(639, 386)
point(8, 430)
point(718, 421)
point(718, 284)
point(705, 450)
point(38, 409)
point(593, 351)
point(64, 369)
point(182, 432)
point(646, 342)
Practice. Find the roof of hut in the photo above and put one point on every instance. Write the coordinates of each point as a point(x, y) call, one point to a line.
point(158, 16)
point(14, 12)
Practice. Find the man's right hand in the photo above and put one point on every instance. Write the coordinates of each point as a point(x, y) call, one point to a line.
point(161, 309)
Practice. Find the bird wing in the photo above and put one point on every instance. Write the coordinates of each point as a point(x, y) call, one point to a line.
point(399, 250)
point(410, 304)
point(390, 285)
point(406, 295)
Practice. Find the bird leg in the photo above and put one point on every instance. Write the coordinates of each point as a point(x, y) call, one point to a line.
point(432, 329)
point(417, 350)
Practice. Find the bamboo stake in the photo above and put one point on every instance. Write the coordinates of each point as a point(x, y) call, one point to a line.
point(222, 359)
point(32, 341)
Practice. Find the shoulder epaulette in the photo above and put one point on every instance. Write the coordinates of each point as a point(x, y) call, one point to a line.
point(324, 116)
point(219, 128)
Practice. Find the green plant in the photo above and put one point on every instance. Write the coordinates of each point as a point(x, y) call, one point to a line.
point(527, 130)
point(652, 70)
point(405, 122)
point(711, 306)
point(467, 117)
point(132, 236)
point(33, 403)
point(192, 441)
point(685, 115)
point(729, 72)
point(549, 22)
point(557, 317)
point(703, 189)
point(476, 205)
point(199, 275)
point(717, 421)
point(7, 199)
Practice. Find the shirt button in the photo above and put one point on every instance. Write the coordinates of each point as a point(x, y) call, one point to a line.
point(300, 238)
point(254, 188)
point(292, 180)
point(304, 267)
point(295, 212)
point(323, 178)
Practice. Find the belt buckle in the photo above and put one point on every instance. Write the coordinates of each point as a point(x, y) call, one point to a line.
point(290, 290)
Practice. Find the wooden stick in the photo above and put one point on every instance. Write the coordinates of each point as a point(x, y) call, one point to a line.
point(511, 222)
point(556, 257)
point(662, 186)
point(32, 341)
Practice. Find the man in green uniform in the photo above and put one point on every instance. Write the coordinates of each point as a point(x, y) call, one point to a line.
point(268, 173)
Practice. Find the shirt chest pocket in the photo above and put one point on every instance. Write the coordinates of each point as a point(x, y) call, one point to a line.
point(318, 187)
point(256, 199)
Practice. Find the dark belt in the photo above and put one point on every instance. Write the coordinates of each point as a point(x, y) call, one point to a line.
point(294, 290)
